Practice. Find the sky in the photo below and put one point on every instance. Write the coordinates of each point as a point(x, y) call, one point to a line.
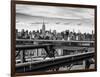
point(31, 17)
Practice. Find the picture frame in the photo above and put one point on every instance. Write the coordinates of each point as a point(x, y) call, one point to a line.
point(47, 14)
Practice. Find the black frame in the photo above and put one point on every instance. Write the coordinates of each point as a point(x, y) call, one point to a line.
point(13, 37)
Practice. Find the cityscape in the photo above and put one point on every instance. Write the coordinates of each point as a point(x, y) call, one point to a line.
point(58, 39)
point(44, 34)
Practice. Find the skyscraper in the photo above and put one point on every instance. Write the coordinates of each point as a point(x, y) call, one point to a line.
point(43, 28)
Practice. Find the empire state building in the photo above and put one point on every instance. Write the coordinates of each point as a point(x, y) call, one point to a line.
point(43, 29)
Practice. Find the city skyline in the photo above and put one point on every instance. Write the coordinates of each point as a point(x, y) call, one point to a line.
point(30, 17)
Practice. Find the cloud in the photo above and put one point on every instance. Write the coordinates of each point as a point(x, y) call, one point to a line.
point(55, 12)
point(60, 18)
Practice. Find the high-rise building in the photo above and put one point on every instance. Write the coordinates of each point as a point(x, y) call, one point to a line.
point(54, 31)
point(43, 28)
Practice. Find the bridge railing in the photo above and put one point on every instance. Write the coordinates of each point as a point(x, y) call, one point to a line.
point(51, 63)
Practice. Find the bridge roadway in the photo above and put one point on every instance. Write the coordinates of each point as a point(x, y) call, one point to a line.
point(27, 43)
point(52, 62)
point(58, 41)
